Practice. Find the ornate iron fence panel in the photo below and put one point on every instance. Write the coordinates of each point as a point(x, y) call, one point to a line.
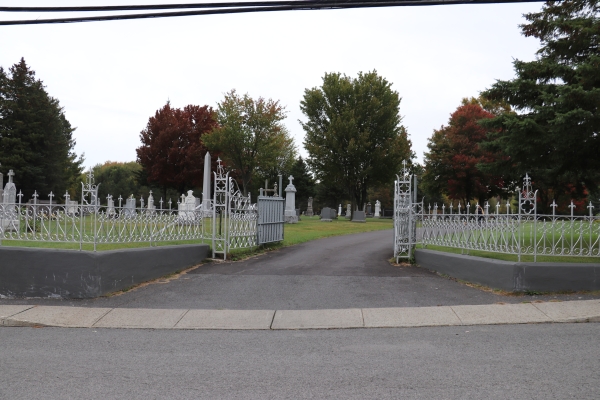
point(524, 232)
point(242, 219)
point(87, 224)
point(270, 219)
point(229, 220)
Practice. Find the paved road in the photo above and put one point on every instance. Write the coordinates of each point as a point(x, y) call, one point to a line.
point(558, 361)
point(533, 361)
point(350, 271)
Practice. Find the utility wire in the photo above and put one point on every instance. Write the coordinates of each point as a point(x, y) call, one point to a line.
point(176, 6)
point(229, 8)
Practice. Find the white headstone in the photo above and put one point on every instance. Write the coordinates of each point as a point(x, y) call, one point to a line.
point(187, 207)
point(290, 203)
point(340, 210)
point(377, 209)
point(8, 210)
point(10, 190)
point(110, 206)
point(129, 209)
point(151, 207)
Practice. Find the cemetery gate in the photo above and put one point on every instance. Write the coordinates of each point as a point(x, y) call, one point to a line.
point(238, 223)
point(406, 214)
point(270, 216)
point(234, 216)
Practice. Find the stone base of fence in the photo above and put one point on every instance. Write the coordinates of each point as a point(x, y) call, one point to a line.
point(512, 276)
point(27, 272)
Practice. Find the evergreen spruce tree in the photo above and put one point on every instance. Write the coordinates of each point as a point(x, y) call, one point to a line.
point(35, 137)
point(555, 133)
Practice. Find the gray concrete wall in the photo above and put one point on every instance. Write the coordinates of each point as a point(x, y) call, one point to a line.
point(512, 276)
point(30, 272)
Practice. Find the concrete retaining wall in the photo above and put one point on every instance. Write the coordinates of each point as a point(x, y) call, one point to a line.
point(31, 272)
point(513, 276)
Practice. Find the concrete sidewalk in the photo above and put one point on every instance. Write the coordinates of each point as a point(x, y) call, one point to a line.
point(84, 317)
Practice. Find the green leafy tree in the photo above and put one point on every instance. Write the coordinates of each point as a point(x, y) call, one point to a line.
point(354, 135)
point(36, 138)
point(118, 179)
point(252, 139)
point(555, 133)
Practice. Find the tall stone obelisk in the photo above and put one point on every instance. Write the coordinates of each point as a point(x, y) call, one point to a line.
point(1, 185)
point(290, 203)
point(206, 194)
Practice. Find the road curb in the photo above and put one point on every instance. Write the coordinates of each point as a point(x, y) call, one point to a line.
point(351, 318)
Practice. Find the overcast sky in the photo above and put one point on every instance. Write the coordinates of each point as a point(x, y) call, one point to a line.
point(110, 77)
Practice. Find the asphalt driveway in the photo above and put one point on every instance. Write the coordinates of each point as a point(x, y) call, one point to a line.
point(338, 272)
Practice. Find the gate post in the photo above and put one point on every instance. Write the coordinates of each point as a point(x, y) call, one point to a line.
point(405, 215)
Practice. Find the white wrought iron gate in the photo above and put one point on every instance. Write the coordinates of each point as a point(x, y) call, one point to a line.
point(234, 216)
point(406, 214)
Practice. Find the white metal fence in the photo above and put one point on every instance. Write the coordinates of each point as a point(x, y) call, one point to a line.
point(229, 221)
point(82, 224)
point(523, 232)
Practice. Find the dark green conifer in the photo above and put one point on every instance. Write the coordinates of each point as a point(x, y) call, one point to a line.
point(35, 136)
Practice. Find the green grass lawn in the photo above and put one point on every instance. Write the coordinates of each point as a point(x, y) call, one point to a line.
point(309, 228)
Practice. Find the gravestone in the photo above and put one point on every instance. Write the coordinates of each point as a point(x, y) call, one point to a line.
point(369, 211)
point(290, 203)
point(71, 207)
point(348, 210)
point(110, 206)
point(129, 209)
point(298, 214)
point(10, 190)
point(151, 207)
point(377, 209)
point(359, 216)
point(340, 210)
point(187, 207)
point(309, 210)
point(8, 211)
point(327, 214)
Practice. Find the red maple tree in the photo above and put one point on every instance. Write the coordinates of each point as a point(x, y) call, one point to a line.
point(454, 153)
point(172, 152)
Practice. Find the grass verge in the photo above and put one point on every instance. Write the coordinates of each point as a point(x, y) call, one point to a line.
point(309, 228)
point(513, 257)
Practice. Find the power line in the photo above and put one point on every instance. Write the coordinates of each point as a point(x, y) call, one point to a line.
point(228, 8)
point(174, 6)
